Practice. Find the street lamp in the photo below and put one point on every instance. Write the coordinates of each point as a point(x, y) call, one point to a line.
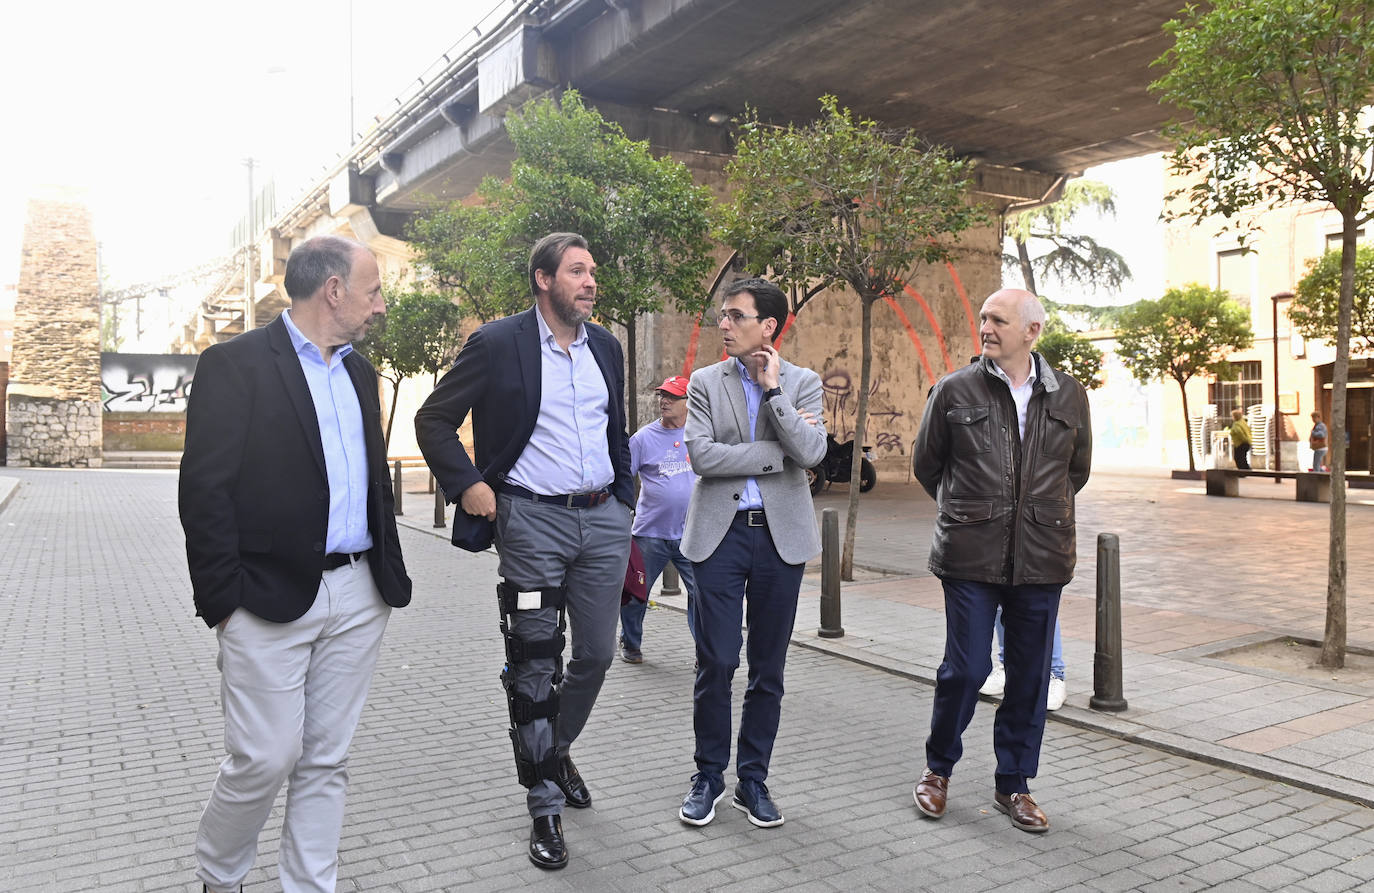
point(1276, 464)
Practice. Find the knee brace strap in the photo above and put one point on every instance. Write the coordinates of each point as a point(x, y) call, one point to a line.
point(508, 596)
point(530, 772)
point(524, 709)
point(519, 650)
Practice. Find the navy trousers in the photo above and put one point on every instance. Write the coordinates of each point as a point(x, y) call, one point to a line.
point(1028, 613)
point(745, 568)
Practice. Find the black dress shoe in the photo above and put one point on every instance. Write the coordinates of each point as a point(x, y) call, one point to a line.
point(547, 849)
point(570, 783)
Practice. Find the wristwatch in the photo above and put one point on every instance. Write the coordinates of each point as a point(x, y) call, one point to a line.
point(771, 393)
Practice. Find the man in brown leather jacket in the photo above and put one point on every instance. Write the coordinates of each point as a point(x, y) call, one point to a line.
point(1004, 446)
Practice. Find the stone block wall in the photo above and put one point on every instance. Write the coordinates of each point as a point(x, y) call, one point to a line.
point(53, 399)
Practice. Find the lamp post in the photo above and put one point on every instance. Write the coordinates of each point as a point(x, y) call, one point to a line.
point(1276, 462)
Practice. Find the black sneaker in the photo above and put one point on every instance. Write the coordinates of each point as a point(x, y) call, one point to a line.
point(752, 797)
point(699, 806)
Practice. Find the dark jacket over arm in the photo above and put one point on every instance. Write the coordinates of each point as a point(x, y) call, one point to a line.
point(253, 492)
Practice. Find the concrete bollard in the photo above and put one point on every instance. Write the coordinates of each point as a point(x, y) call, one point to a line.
point(439, 520)
point(830, 575)
point(671, 581)
point(396, 488)
point(1107, 658)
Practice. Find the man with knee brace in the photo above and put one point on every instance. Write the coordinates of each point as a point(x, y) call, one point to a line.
point(549, 481)
point(1004, 446)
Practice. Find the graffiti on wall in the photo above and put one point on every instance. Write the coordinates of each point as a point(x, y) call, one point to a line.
point(841, 402)
point(141, 382)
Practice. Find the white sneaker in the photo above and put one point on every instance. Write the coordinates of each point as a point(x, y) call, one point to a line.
point(1058, 692)
point(996, 681)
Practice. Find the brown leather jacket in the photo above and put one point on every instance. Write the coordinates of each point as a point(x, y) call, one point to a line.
point(1006, 507)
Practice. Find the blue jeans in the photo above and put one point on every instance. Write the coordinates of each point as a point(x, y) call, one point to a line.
point(1019, 724)
point(1056, 656)
point(657, 553)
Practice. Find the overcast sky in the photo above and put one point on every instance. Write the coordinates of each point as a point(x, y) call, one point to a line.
point(150, 107)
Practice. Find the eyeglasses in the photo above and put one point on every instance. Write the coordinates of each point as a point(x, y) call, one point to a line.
point(734, 317)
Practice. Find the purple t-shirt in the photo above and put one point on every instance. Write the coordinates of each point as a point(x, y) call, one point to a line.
point(659, 456)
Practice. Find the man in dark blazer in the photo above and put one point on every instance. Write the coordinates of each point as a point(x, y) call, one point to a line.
point(551, 483)
point(294, 559)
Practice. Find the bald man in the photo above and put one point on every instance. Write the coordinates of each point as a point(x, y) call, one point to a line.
point(1004, 446)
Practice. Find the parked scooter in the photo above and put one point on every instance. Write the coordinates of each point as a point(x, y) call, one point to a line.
point(836, 466)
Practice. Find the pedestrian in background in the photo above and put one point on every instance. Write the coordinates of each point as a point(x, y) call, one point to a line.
point(1317, 441)
point(549, 480)
point(997, 679)
point(753, 428)
point(294, 559)
point(1240, 440)
point(658, 454)
point(1004, 445)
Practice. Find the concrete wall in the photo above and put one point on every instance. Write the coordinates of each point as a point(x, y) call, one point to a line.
point(53, 398)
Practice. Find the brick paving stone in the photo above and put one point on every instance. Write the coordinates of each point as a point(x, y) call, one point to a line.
point(105, 755)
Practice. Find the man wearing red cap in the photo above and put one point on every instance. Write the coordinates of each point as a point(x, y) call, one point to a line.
point(658, 454)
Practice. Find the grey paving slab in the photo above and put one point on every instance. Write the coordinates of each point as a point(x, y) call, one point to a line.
point(109, 736)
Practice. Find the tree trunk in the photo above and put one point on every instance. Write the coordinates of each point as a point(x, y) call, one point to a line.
point(1187, 425)
point(391, 416)
point(631, 376)
point(860, 432)
point(1027, 272)
point(1333, 639)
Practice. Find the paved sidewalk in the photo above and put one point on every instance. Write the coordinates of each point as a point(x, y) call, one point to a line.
point(109, 735)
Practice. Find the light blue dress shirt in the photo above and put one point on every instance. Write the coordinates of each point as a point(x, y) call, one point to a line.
point(340, 418)
point(751, 498)
point(568, 452)
point(1020, 396)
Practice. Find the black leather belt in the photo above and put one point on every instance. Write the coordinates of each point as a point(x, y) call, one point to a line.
point(753, 517)
point(339, 559)
point(567, 500)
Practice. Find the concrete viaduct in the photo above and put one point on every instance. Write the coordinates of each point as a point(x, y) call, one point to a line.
point(1034, 92)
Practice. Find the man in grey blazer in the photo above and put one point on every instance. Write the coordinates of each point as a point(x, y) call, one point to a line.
point(753, 428)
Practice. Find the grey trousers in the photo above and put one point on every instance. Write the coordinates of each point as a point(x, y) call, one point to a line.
point(586, 550)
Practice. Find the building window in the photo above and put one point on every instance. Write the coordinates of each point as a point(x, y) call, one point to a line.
point(1244, 391)
point(1233, 275)
point(1333, 240)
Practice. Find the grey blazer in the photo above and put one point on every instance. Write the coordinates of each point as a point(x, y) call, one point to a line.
point(783, 447)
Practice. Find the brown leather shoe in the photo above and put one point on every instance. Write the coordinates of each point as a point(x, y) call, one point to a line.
point(931, 792)
point(1023, 811)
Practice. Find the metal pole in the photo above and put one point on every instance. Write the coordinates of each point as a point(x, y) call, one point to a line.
point(396, 488)
point(1107, 658)
point(830, 575)
point(250, 311)
point(439, 520)
point(671, 581)
point(1277, 462)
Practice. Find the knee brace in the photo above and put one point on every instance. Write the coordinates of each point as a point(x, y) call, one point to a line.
point(523, 709)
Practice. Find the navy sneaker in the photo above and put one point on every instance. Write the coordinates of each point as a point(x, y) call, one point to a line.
point(699, 806)
point(751, 796)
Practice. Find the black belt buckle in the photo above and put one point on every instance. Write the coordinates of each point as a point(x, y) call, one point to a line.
point(755, 518)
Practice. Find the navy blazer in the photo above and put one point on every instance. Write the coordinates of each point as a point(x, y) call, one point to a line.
point(253, 492)
point(498, 379)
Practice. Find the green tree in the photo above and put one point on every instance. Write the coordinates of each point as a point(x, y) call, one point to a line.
point(840, 202)
point(1272, 98)
point(1186, 333)
point(1072, 353)
point(1066, 256)
point(646, 222)
point(1316, 305)
point(422, 333)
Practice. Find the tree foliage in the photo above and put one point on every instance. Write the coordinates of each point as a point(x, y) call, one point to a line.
point(840, 202)
point(646, 222)
point(1187, 332)
point(1070, 352)
point(1316, 303)
point(422, 333)
point(1272, 98)
point(1062, 254)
